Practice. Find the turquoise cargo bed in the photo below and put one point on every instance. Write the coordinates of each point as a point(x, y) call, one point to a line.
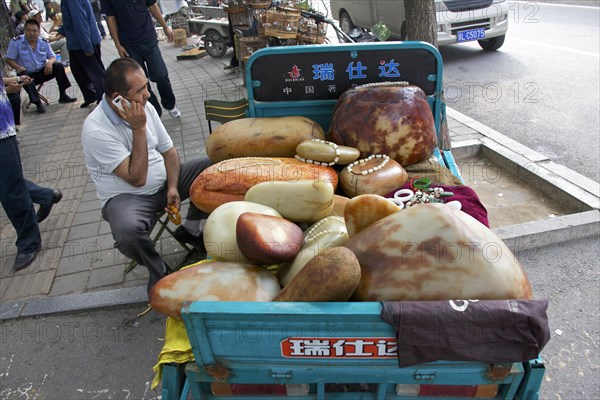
point(327, 350)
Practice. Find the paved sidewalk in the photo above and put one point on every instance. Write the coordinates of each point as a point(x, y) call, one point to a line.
point(78, 266)
point(78, 254)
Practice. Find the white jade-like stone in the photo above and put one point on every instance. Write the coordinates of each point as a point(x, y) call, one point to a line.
point(300, 201)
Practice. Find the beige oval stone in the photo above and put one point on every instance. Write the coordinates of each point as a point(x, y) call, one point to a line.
point(364, 210)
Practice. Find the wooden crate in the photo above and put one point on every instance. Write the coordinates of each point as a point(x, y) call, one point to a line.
point(282, 23)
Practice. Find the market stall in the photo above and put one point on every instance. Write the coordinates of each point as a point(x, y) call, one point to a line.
point(340, 236)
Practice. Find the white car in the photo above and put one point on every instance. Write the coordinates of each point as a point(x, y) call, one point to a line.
point(457, 20)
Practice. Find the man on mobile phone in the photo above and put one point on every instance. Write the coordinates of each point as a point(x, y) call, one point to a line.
point(136, 168)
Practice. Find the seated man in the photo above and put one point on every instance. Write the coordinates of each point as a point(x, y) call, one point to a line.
point(57, 42)
point(32, 56)
point(136, 168)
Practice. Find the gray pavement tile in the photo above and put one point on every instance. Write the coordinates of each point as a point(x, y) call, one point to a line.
point(105, 241)
point(139, 273)
point(72, 264)
point(104, 228)
point(31, 285)
point(86, 217)
point(83, 231)
point(54, 239)
point(74, 283)
point(109, 257)
point(106, 276)
point(5, 282)
point(93, 205)
point(89, 196)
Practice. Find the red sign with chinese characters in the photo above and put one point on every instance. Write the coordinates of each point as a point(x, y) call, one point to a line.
point(307, 347)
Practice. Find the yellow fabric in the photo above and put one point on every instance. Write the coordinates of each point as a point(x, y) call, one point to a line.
point(177, 347)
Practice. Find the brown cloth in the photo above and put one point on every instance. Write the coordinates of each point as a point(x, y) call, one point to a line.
point(491, 331)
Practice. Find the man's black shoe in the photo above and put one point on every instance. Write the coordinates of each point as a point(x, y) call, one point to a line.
point(44, 211)
point(40, 108)
point(184, 236)
point(24, 260)
point(66, 99)
point(86, 104)
point(231, 66)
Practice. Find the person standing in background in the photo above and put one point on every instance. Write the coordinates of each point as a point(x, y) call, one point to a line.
point(17, 194)
point(83, 41)
point(98, 15)
point(132, 30)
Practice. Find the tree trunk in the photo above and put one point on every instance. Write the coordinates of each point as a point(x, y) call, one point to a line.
point(420, 20)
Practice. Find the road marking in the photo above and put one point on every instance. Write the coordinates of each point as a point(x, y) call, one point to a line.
point(553, 46)
point(558, 5)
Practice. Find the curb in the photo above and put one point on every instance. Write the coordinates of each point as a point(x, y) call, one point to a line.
point(73, 303)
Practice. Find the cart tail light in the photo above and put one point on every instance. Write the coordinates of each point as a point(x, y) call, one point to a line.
point(458, 391)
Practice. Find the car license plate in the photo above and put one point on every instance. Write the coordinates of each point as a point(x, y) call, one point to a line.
point(471, 34)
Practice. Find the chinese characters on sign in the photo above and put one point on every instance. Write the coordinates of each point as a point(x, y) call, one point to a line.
point(323, 72)
point(339, 348)
point(347, 73)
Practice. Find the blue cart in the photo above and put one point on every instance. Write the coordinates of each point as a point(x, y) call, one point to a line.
point(327, 350)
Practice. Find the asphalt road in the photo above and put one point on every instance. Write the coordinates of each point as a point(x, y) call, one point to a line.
point(541, 87)
point(109, 354)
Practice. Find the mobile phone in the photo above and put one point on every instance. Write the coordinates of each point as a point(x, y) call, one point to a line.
point(119, 101)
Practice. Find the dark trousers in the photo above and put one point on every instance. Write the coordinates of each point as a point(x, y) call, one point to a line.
point(15, 104)
point(98, 18)
point(234, 61)
point(58, 72)
point(16, 198)
point(149, 57)
point(89, 73)
point(132, 217)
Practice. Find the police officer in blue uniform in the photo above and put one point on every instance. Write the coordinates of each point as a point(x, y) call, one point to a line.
point(30, 55)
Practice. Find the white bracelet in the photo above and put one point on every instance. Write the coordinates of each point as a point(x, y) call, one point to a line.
point(335, 147)
point(370, 170)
